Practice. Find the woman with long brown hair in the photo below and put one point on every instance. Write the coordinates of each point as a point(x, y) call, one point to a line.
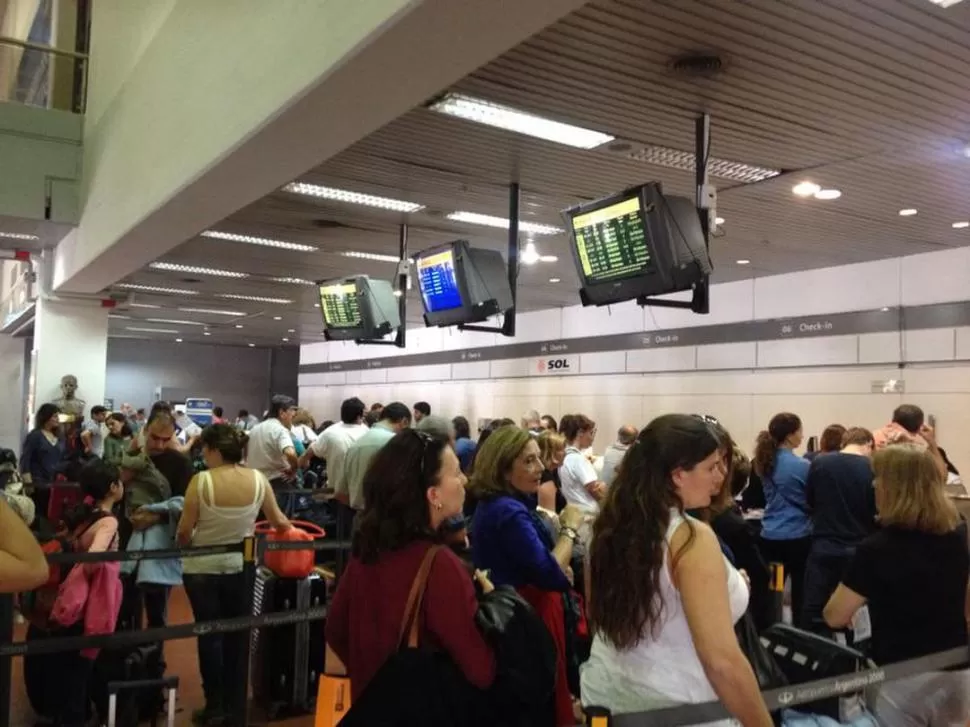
point(664, 599)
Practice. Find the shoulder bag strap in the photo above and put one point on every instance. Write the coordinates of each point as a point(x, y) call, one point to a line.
point(412, 611)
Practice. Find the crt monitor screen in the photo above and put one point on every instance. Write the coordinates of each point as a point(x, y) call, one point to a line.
point(438, 282)
point(611, 242)
point(340, 305)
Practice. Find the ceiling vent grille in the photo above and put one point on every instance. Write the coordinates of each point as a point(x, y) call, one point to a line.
point(664, 156)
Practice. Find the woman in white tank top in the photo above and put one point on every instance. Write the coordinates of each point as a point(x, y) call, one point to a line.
point(664, 599)
point(221, 507)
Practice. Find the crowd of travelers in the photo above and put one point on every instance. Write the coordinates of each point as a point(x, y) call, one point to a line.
point(634, 569)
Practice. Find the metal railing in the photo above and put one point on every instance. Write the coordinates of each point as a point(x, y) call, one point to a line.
point(41, 75)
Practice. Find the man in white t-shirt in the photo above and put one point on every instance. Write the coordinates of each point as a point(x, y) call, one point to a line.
point(615, 453)
point(333, 444)
point(271, 449)
point(92, 436)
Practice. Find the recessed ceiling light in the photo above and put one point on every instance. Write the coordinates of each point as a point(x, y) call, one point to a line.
point(292, 281)
point(885, 309)
point(285, 340)
point(945, 3)
point(18, 236)
point(255, 298)
point(960, 225)
point(908, 212)
point(371, 256)
point(718, 220)
point(174, 322)
point(665, 156)
point(827, 194)
point(213, 311)
point(529, 256)
point(197, 270)
point(157, 289)
point(473, 218)
point(264, 241)
point(251, 345)
point(343, 195)
point(144, 305)
point(316, 305)
point(397, 293)
point(548, 258)
point(277, 318)
point(206, 333)
point(151, 330)
point(178, 340)
point(555, 280)
point(744, 262)
point(806, 189)
point(239, 325)
point(511, 119)
point(292, 330)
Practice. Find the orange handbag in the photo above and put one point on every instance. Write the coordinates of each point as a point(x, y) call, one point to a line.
point(290, 563)
point(333, 694)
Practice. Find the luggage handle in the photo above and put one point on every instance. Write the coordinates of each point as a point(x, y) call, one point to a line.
point(169, 684)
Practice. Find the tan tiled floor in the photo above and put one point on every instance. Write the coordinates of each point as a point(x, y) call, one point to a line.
point(182, 661)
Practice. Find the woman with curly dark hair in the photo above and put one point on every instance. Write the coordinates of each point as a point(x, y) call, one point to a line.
point(412, 487)
point(664, 598)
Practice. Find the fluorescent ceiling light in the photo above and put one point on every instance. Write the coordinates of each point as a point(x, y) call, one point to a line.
point(292, 281)
point(206, 333)
point(473, 218)
point(157, 289)
point(744, 262)
point(665, 156)
point(529, 256)
point(806, 189)
point(178, 340)
point(213, 311)
point(511, 119)
point(286, 340)
point(292, 330)
point(945, 3)
point(343, 195)
point(371, 256)
point(239, 325)
point(548, 258)
point(151, 330)
point(197, 270)
point(255, 298)
point(277, 318)
point(119, 317)
point(827, 194)
point(18, 236)
point(908, 212)
point(718, 220)
point(960, 225)
point(554, 280)
point(252, 345)
point(264, 241)
point(144, 305)
point(174, 322)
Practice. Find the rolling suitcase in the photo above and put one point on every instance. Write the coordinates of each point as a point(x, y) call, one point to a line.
point(169, 684)
point(287, 666)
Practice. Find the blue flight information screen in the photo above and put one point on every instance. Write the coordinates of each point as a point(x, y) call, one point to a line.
point(439, 286)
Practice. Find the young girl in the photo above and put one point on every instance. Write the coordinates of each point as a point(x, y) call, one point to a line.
point(97, 531)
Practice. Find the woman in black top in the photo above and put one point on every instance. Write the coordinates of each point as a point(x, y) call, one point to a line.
point(42, 456)
point(913, 576)
point(552, 451)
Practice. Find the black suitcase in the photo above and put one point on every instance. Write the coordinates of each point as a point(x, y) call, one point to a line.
point(286, 666)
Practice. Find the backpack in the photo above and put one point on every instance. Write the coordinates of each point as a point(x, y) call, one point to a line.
point(36, 605)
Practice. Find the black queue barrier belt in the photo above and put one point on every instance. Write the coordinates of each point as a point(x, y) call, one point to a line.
point(195, 552)
point(168, 633)
point(792, 695)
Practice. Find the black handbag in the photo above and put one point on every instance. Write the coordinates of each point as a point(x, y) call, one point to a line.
point(766, 670)
point(416, 686)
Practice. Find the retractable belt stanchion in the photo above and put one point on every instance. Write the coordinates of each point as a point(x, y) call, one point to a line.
point(240, 710)
point(6, 672)
point(777, 587)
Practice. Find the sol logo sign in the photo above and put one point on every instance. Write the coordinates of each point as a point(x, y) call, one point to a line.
point(554, 365)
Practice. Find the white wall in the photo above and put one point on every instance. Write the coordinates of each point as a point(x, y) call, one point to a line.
point(11, 391)
point(823, 379)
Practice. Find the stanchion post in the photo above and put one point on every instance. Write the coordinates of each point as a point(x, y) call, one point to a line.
point(241, 708)
point(6, 662)
point(598, 717)
point(778, 590)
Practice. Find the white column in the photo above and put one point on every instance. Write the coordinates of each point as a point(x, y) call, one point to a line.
point(70, 337)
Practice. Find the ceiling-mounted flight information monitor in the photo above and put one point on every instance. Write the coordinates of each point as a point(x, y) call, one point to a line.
point(611, 242)
point(462, 284)
point(358, 308)
point(636, 244)
point(340, 305)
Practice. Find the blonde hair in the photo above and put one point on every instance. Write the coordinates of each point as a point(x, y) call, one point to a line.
point(303, 416)
point(549, 443)
point(910, 490)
